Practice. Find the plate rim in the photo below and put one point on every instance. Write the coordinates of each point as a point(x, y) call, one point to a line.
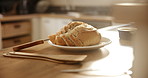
point(79, 47)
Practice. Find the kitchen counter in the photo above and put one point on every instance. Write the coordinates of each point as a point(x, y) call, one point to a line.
point(112, 59)
point(81, 17)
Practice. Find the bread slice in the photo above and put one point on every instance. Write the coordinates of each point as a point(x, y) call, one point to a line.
point(59, 41)
point(67, 40)
point(75, 40)
point(52, 38)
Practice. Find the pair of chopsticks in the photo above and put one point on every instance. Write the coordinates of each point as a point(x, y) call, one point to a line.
point(66, 59)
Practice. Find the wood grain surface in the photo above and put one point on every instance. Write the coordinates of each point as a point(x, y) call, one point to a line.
point(31, 68)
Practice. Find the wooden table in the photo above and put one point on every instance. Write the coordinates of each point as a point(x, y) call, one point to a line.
point(114, 57)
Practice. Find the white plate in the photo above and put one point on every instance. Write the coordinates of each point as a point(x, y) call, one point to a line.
point(104, 42)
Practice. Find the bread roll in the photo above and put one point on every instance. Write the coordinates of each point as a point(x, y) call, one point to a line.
point(76, 34)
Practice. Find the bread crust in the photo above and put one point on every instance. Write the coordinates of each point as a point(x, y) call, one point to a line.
point(89, 38)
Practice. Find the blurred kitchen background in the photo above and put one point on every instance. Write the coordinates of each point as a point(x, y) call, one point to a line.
point(93, 7)
point(28, 20)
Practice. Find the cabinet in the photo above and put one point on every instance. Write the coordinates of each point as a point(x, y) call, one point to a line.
point(15, 29)
point(16, 41)
point(15, 33)
point(50, 26)
point(0, 37)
